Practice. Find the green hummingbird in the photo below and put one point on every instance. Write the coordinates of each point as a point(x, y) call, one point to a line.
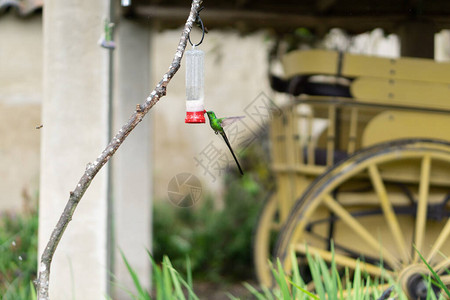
point(217, 125)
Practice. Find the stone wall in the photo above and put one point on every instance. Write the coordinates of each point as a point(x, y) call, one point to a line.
point(20, 108)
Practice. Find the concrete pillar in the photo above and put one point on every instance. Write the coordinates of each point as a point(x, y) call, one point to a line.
point(417, 39)
point(75, 120)
point(442, 46)
point(131, 164)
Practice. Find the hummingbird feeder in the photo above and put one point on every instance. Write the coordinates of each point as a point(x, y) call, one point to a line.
point(195, 81)
point(194, 86)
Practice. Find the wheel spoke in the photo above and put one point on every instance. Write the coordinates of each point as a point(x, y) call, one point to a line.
point(343, 260)
point(445, 279)
point(388, 211)
point(422, 204)
point(358, 228)
point(441, 239)
point(443, 265)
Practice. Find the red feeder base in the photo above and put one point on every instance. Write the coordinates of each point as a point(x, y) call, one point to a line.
point(195, 117)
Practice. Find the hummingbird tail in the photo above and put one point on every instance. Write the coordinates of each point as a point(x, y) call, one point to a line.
point(232, 152)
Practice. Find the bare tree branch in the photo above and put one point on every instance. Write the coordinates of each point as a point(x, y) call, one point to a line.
point(42, 282)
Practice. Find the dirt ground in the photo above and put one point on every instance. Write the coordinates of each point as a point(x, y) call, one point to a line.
point(216, 291)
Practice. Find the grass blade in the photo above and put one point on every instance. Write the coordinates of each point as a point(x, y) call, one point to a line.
point(175, 278)
point(305, 291)
point(254, 292)
point(167, 282)
point(338, 281)
point(189, 275)
point(232, 297)
point(435, 275)
point(348, 284)
point(137, 284)
point(315, 273)
point(430, 295)
point(280, 277)
point(330, 286)
point(33, 291)
point(158, 280)
point(367, 289)
point(357, 282)
point(189, 287)
point(335, 275)
point(267, 293)
point(296, 278)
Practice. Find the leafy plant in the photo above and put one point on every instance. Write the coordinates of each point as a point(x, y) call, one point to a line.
point(218, 241)
point(326, 281)
point(328, 284)
point(18, 255)
point(167, 282)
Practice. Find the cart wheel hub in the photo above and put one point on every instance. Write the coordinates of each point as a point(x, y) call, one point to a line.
point(414, 282)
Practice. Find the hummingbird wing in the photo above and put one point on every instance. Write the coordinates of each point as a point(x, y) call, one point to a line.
point(230, 120)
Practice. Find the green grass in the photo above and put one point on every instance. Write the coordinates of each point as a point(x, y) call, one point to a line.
point(167, 284)
point(328, 284)
point(436, 280)
point(18, 255)
point(18, 238)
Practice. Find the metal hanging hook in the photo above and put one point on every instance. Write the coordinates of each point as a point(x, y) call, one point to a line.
point(199, 22)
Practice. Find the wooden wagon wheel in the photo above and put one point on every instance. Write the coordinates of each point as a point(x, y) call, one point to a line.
point(266, 230)
point(378, 203)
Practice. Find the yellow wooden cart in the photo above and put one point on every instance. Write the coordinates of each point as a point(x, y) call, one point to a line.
point(367, 170)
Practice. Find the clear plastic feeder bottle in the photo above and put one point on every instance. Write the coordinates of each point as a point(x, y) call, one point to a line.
point(194, 86)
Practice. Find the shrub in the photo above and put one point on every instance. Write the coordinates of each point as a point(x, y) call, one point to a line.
point(218, 242)
point(18, 254)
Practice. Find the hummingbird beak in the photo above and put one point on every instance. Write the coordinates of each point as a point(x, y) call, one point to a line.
point(204, 111)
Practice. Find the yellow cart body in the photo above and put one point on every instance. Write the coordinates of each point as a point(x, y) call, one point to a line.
point(390, 136)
